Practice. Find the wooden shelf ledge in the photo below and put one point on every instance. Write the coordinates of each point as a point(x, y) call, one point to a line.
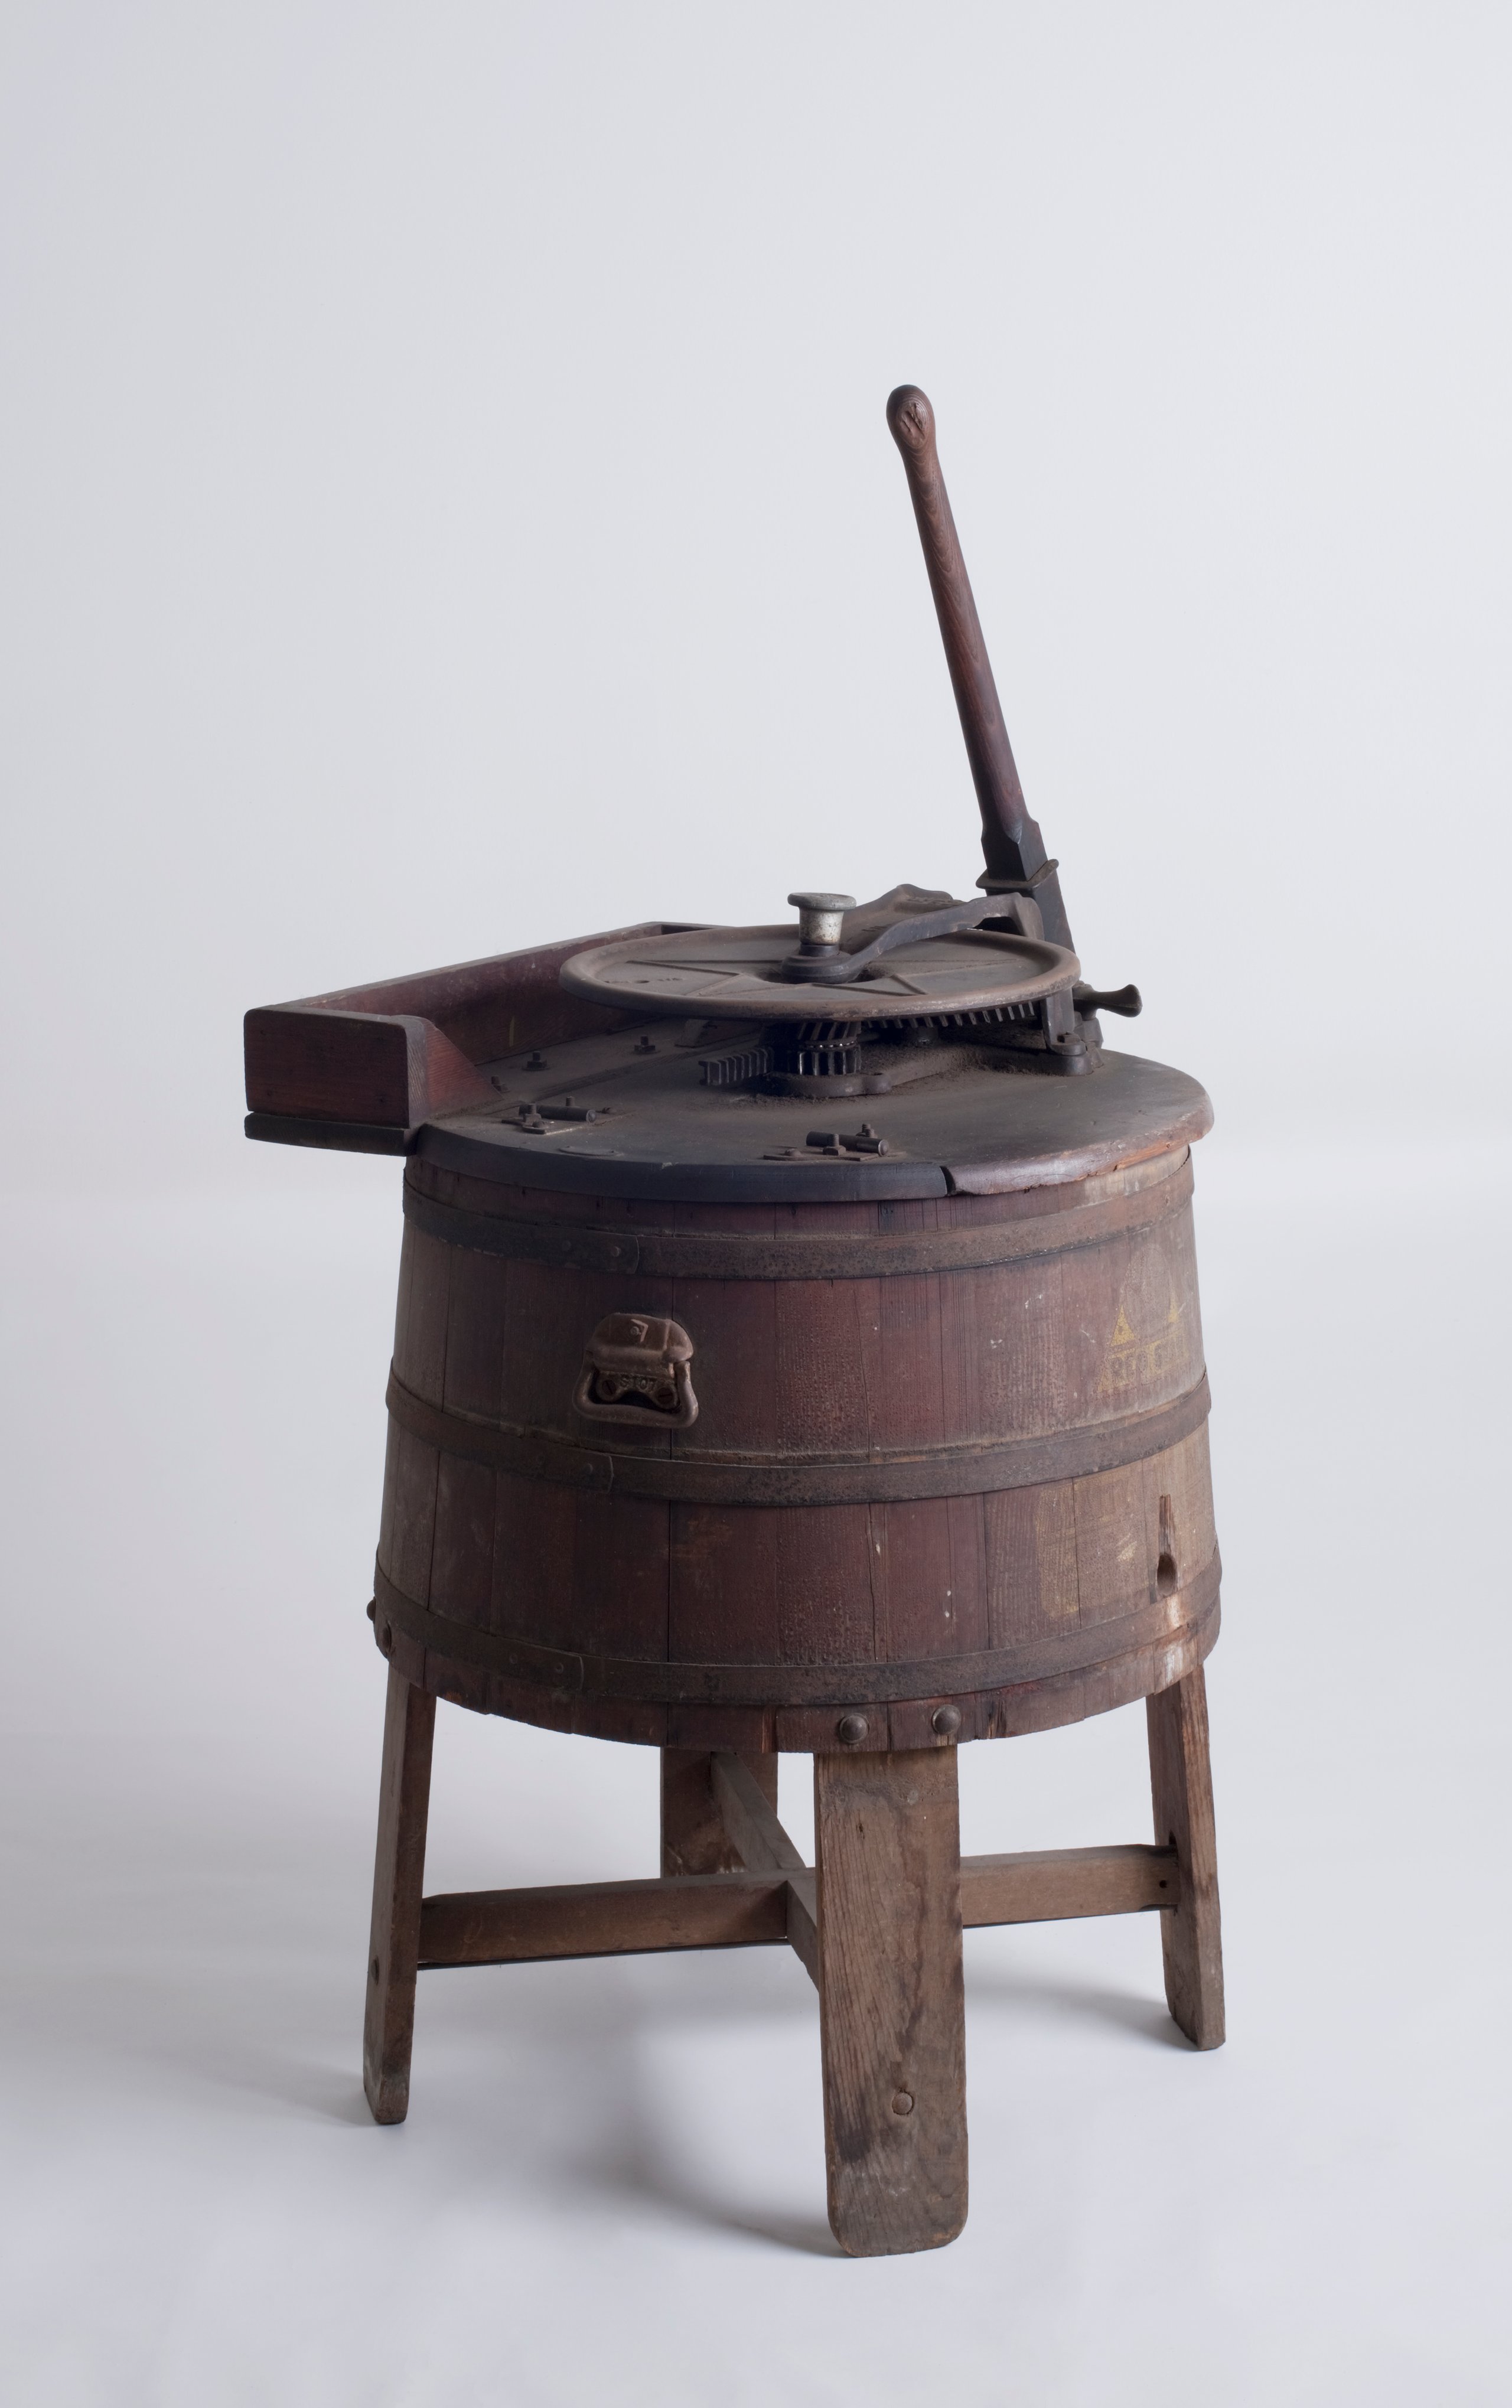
point(361, 1069)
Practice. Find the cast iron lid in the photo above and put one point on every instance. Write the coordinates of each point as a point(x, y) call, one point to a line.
point(632, 1114)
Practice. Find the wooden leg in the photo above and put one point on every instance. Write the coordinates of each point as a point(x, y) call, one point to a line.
point(693, 1837)
point(892, 2015)
point(393, 1948)
point(1181, 1782)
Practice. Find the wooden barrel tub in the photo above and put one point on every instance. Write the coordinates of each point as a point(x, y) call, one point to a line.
point(947, 1478)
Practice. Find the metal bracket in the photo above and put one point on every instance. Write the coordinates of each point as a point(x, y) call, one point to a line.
point(635, 1370)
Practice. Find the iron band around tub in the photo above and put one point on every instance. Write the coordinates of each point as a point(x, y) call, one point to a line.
point(688, 1477)
point(564, 1672)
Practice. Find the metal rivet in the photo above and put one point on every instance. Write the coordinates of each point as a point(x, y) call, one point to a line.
point(903, 2102)
point(385, 1639)
point(851, 1729)
point(945, 1721)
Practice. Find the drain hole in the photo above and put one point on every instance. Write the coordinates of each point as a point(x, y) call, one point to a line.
point(1165, 1578)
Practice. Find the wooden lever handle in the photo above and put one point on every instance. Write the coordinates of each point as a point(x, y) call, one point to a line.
point(1011, 842)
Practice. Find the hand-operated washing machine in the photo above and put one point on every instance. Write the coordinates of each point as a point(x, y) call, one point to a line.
point(797, 1351)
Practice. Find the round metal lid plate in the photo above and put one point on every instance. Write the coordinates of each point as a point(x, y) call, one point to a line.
point(735, 974)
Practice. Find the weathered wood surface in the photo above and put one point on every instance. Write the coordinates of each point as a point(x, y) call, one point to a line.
point(882, 1475)
point(1049, 1885)
point(803, 1922)
point(750, 1817)
point(679, 1910)
point(1020, 1607)
point(505, 1927)
point(887, 1250)
point(390, 1054)
point(891, 2010)
point(398, 1878)
point(748, 1810)
point(1181, 1784)
point(695, 1839)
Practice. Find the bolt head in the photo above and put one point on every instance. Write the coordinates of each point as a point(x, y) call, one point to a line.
point(851, 1729)
point(819, 916)
point(903, 2102)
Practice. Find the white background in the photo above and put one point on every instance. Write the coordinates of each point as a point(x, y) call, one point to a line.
point(448, 504)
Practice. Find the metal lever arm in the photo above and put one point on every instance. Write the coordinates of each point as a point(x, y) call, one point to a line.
point(826, 965)
point(1011, 842)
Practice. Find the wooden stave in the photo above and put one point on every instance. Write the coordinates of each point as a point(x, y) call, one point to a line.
point(436, 1556)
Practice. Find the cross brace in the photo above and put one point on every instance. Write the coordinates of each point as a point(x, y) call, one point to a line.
point(876, 1921)
point(771, 1900)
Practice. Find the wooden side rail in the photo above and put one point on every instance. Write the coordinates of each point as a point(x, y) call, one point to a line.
point(768, 1903)
point(634, 1918)
point(1046, 1884)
